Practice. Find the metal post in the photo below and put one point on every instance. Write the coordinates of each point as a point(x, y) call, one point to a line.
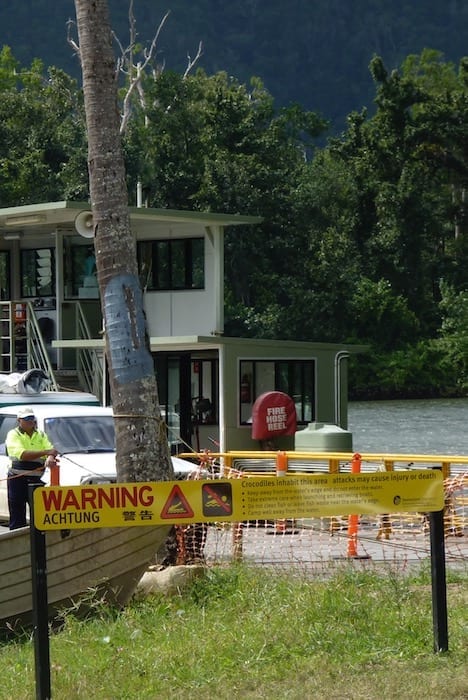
point(439, 584)
point(39, 604)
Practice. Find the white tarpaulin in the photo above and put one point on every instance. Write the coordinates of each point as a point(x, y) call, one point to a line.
point(31, 382)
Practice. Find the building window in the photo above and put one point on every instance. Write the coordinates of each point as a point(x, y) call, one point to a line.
point(296, 378)
point(5, 293)
point(171, 264)
point(38, 272)
point(79, 265)
point(204, 383)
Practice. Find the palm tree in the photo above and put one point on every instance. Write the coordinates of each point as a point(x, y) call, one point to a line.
point(141, 441)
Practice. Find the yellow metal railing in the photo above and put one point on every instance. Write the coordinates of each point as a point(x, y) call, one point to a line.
point(264, 462)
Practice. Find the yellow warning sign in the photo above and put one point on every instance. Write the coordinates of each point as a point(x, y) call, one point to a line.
point(247, 498)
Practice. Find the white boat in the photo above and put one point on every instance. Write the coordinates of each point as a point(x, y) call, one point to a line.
point(107, 561)
point(82, 565)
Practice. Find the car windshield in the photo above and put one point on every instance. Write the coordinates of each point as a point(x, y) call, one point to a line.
point(81, 433)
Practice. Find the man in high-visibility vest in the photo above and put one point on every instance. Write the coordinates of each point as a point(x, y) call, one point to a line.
point(28, 449)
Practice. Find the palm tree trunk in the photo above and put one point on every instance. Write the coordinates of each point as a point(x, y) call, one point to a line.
point(141, 442)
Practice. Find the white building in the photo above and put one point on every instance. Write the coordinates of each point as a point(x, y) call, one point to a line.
point(51, 318)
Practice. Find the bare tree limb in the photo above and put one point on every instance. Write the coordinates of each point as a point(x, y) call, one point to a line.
point(132, 69)
point(71, 23)
point(195, 60)
point(135, 71)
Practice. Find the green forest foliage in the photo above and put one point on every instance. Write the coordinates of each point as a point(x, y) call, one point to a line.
point(363, 240)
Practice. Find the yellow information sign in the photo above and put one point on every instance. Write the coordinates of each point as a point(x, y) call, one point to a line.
point(232, 500)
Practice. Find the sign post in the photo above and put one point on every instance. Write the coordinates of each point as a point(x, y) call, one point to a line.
point(439, 584)
point(39, 604)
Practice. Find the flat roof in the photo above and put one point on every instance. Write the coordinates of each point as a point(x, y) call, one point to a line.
point(41, 218)
point(211, 342)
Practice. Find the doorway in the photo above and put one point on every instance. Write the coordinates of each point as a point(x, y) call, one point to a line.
point(173, 377)
point(188, 394)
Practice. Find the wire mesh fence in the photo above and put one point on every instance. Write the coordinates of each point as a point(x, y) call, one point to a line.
point(321, 544)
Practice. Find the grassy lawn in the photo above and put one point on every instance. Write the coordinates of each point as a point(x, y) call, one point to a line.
point(245, 633)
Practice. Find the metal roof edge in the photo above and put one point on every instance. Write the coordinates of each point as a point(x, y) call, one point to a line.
point(176, 215)
point(218, 340)
point(42, 207)
point(209, 218)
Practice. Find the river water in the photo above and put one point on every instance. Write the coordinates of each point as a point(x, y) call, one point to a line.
point(428, 426)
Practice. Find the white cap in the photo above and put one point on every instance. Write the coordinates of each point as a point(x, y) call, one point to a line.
point(25, 412)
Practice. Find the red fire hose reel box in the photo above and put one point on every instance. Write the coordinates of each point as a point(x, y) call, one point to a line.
point(273, 415)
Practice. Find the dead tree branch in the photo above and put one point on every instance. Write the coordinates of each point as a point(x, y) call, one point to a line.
point(134, 71)
point(191, 63)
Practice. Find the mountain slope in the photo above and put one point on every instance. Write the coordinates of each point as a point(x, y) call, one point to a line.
point(316, 53)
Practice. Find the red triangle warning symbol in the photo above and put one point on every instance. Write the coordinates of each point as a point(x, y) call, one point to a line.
point(176, 505)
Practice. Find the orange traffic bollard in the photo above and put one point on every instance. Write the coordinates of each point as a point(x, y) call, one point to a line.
point(281, 526)
point(281, 470)
point(54, 469)
point(353, 519)
point(281, 463)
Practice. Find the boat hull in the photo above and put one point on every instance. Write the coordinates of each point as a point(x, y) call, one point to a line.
point(107, 561)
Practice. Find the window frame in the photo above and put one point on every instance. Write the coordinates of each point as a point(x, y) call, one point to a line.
point(295, 377)
point(39, 291)
point(5, 278)
point(171, 264)
point(204, 383)
point(75, 259)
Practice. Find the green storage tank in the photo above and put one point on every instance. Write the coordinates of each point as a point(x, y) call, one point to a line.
point(323, 437)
